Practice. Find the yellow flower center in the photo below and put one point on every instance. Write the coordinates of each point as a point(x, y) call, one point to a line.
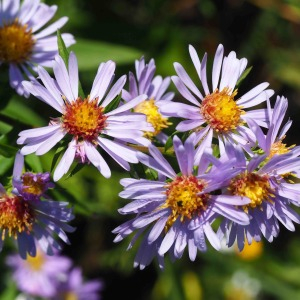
point(36, 263)
point(15, 216)
point(257, 188)
point(16, 43)
point(221, 111)
point(183, 198)
point(279, 148)
point(155, 118)
point(69, 296)
point(84, 119)
point(31, 186)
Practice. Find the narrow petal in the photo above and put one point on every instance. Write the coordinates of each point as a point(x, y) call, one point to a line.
point(96, 159)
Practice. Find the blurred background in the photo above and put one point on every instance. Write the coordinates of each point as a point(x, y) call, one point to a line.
point(267, 33)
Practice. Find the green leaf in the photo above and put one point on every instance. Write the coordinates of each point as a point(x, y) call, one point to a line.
point(113, 104)
point(7, 151)
point(5, 164)
point(91, 53)
point(18, 111)
point(244, 75)
point(64, 53)
point(34, 163)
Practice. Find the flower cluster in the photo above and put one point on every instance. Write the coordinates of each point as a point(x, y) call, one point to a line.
point(224, 174)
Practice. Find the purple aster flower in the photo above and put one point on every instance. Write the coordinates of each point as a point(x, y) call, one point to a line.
point(39, 275)
point(28, 219)
point(85, 121)
point(182, 206)
point(74, 287)
point(216, 112)
point(23, 42)
point(30, 185)
point(267, 183)
point(155, 89)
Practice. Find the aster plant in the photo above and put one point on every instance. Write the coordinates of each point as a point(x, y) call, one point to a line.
point(25, 42)
point(179, 207)
point(29, 217)
point(268, 180)
point(218, 111)
point(85, 123)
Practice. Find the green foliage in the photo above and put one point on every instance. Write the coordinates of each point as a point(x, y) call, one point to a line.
point(91, 53)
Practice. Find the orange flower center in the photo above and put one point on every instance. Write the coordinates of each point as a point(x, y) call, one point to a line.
point(183, 198)
point(154, 117)
point(16, 215)
point(16, 43)
point(84, 119)
point(221, 111)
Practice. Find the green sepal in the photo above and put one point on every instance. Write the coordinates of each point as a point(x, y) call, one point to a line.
point(169, 142)
point(57, 154)
point(113, 104)
point(243, 76)
point(75, 170)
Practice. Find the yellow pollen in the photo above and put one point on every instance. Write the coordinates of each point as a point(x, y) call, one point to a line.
point(155, 118)
point(16, 215)
point(183, 198)
point(279, 148)
point(16, 43)
point(31, 186)
point(257, 188)
point(84, 119)
point(36, 263)
point(221, 111)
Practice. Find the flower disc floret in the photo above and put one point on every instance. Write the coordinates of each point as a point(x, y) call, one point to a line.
point(16, 216)
point(84, 119)
point(221, 111)
point(279, 148)
point(154, 117)
point(37, 262)
point(16, 42)
point(183, 198)
point(34, 185)
point(257, 188)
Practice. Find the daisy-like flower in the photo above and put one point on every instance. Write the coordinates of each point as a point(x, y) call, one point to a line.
point(84, 121)
point(23, 42)
point(217, 112)
point(30, 185)
point(182, 206)
point(266, 183)
point(74, 287)
point(155, 88)
point(28, 219)
point(39, 275)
